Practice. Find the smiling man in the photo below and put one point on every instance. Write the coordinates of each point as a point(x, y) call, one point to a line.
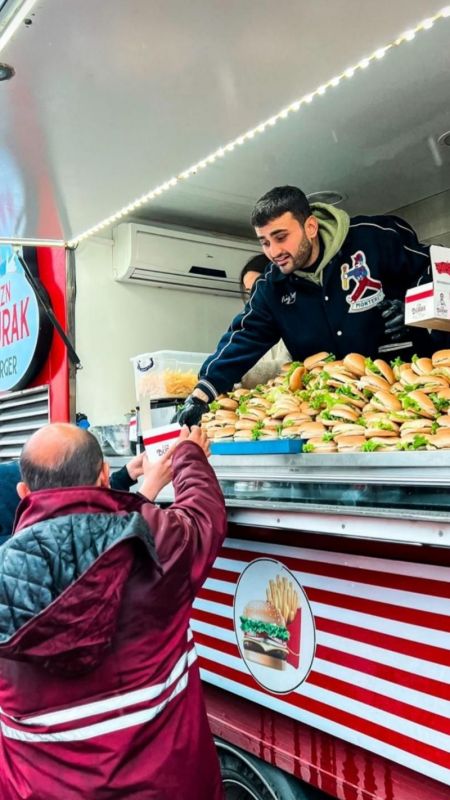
point(333, 283)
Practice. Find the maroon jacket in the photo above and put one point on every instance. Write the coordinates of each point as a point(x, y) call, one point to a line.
point(99, 686)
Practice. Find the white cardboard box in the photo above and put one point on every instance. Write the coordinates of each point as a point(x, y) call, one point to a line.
point(158, 440)
point(428, 305)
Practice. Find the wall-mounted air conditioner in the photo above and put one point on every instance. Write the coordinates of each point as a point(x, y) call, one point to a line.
point(179, 259)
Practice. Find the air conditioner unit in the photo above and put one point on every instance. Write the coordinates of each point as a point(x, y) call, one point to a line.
point(180, 259)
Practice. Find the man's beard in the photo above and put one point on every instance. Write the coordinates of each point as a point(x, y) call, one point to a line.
point(303, 255)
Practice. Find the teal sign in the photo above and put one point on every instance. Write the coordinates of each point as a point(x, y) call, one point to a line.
point(20, 324)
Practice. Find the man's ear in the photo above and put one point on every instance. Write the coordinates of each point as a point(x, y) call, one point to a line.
point(103, 478)
point(22, 490)
point(311, 226)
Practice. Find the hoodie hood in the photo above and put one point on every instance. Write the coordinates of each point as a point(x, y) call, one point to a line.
point(62, 581)
point(334, 224)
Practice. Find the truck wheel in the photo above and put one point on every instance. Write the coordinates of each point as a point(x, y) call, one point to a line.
point(246, 777)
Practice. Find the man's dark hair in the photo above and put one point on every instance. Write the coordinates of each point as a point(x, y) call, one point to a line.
point(79, 466)
point(279, 200)
point(254, 264)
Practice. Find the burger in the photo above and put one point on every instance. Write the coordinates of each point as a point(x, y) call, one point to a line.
point(441, 439)
point(409, 378)
point(422, 366)
point(227, 402)
point(222, 415)
point(339, 412)
point(380, 368)
point(258, 402)
point(265, 635)
point(318, 360)
point(310, 429)
point(441, 358)
point(444, 421)
point(384, 445)
point(347, 429)
point(420, 403)
point(319, 444)
point(374, 383)
point(385, 401)
point(381, 428)
point(416, 426)
point(355, 363)
point(351, 395)
point(431, 383)
point(253, 414)
point(224, 433)
point(350, 444)
point(295, 377)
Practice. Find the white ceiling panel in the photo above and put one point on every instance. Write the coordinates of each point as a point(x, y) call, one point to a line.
point(111, 98)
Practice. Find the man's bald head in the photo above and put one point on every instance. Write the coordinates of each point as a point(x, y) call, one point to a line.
point(60, 455)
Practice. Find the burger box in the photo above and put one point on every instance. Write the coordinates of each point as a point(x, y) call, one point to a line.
point(428, 305)
point(158, 440)
point(257, 447)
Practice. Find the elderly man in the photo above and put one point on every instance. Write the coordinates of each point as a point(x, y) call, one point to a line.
point(100, 691)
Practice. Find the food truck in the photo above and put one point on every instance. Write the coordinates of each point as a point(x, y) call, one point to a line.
point(134, 144)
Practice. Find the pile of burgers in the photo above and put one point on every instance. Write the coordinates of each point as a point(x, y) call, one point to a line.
point(350, 405)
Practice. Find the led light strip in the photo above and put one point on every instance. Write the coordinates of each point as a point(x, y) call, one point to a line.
point(378, 54)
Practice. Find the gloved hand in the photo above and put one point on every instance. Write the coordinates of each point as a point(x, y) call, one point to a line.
point(393, 315)
point(192, 411)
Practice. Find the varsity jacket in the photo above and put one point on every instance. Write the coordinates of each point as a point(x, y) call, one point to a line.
point(380, 257)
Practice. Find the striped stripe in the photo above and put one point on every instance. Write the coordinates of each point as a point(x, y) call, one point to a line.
point(177, 678)
point(380, 677)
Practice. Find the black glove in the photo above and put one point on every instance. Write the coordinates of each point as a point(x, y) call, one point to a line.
point(192, 411)
point(393, 315)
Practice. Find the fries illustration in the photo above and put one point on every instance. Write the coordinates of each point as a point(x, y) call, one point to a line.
point(281, 593)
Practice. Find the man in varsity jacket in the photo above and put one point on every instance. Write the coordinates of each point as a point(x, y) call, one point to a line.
point(334, 283)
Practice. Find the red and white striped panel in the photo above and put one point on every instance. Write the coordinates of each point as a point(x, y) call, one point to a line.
point(381, 672)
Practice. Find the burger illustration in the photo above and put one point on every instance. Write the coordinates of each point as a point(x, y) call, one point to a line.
point(268, 625)
point(265, 634)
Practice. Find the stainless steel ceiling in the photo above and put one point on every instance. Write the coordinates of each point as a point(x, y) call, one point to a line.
point(111, 98)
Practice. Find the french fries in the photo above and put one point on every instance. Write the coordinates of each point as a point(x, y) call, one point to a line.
point(281, 593)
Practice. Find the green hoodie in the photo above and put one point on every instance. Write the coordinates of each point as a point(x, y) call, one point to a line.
point(333, 228)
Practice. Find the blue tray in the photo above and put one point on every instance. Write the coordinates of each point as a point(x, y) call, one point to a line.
point(257, 448)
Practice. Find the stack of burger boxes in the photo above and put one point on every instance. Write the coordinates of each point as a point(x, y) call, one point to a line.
point(428, 305)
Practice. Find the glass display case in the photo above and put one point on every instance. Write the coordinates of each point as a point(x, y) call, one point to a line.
point(407, 485)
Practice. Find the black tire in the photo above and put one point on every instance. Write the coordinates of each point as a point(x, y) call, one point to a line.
point(246, 777)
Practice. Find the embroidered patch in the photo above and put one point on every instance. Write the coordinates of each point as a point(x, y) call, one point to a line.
point(289, 298)
point(359, 272)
